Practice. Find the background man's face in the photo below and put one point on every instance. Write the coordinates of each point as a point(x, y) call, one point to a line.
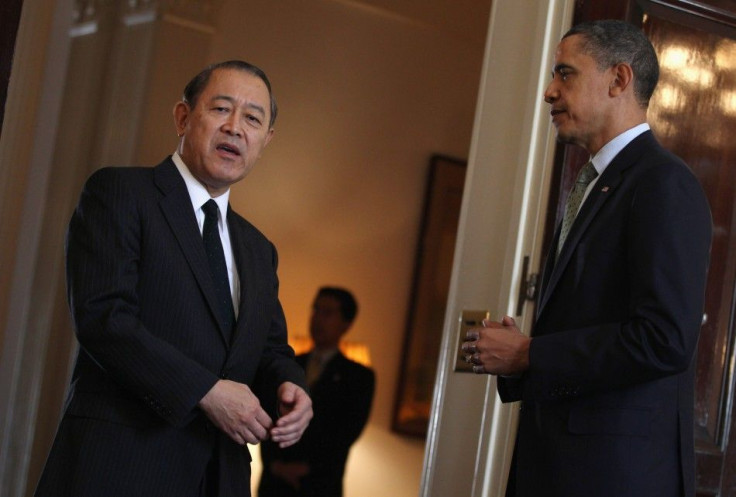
point(327, 325)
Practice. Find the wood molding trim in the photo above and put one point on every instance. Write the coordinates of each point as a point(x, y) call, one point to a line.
point(715, 15)
point(9, 20)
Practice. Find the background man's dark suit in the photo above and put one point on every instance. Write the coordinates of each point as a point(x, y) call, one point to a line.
point(609, 395)
point(151, 346)
point(341, 399)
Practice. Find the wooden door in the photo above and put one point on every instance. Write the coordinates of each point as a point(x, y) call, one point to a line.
point(9, 20)
point(692, 113)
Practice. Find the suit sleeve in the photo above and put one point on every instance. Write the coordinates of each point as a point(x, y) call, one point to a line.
point(277, 363)
point(654, 330)
point(103, 257)
point(343, 420)
point(356, 407)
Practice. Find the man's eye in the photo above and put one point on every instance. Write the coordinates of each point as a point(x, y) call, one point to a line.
point(253, 119)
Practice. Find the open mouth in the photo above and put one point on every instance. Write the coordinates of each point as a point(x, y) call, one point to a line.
point(555, 114)
point(228, 148)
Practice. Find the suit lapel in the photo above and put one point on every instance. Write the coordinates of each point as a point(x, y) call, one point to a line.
point(602, 191)
point(245, 266)
point(176, 206)
point(331, 371)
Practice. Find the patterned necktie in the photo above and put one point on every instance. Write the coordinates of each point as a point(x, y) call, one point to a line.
point(216, 258)
point(586, 175)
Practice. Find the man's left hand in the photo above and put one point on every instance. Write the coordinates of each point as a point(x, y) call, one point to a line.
point(295, 410)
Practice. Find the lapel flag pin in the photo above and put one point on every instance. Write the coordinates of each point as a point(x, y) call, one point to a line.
point(604, 189)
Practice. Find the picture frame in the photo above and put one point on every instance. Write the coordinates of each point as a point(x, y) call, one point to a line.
point(428, 301)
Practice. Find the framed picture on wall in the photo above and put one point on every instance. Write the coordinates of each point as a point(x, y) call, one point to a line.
point(433, 267)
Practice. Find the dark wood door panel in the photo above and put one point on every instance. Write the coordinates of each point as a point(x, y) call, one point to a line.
point(713, 16)
point(9, 20)
point(693, 113)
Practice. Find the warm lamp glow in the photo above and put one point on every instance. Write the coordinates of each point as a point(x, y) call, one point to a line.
point(356, 351)
point(301, 344)
point(669, 98)
point(675, 57)
point(728, 102)
point(726, 55)
point(688, 65)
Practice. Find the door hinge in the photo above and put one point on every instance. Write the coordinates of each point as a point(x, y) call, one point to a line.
point(528, 287)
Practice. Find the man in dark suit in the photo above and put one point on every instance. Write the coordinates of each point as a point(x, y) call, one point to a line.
point(342, 392)
point(180, 340)
point(606, 381)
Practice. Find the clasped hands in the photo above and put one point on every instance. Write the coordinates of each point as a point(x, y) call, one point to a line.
point(235, 410)
point(497, 348)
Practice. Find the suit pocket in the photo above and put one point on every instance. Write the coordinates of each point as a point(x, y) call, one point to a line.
point(112, 408)
point(632, 421)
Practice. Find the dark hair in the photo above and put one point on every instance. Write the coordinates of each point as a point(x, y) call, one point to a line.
point(611, 42)
point(348, 304)
point(196, 86)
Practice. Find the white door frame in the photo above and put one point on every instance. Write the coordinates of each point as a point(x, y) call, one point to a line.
point(471, 434)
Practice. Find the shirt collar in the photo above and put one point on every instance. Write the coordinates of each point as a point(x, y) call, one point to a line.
point(610, 150)
point(325, 355)
point(197, 192)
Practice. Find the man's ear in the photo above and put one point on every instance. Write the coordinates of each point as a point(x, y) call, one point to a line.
point(269, 135)
point(623, 78)
point(266, 141)
point(181, 117)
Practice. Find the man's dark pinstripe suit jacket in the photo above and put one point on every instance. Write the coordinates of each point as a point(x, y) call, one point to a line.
point(151, 346)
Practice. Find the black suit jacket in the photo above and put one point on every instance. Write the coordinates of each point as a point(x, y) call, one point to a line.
point(144, 310)
point(608, 399)
point(341, 399)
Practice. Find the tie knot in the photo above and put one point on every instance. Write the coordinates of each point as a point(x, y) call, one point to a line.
point(210, 209)
point(317, 357)
point(587, 174)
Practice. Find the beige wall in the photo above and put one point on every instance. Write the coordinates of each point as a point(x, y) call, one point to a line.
point(365, 100)
point(366, 97)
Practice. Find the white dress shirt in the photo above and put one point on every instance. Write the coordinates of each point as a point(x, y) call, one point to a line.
point(610, 150)
point(199, 195)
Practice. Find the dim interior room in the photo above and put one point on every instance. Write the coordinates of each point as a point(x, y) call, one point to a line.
point(367, 95)
point(368, 91)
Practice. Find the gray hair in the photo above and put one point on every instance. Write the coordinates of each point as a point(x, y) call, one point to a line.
point(196, 86)
point(612, 42)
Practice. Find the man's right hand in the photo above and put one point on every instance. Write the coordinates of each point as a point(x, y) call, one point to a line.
point(235, 410)
point(497, 348)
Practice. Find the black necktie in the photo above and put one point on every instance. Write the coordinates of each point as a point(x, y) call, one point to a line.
point(216, 258)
